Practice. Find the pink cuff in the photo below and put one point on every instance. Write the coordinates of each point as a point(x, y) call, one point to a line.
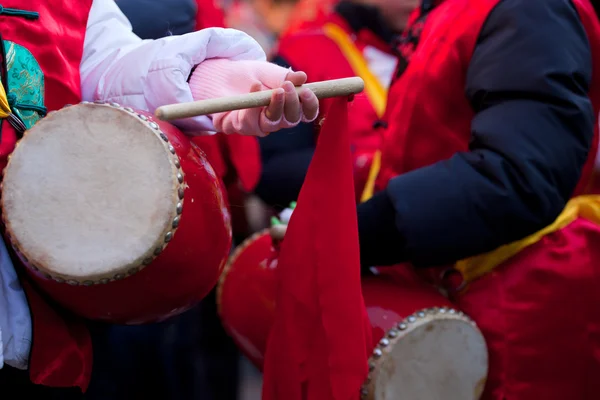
point(221, 77)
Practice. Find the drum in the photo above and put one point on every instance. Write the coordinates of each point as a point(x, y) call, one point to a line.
point(114, 214)
point(423, 347)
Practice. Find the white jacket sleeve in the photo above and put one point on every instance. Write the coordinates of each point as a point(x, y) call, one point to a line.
point(144, 74)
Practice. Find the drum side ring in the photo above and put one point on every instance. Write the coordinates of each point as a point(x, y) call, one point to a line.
point(232, 258)
point(401, 331)
point(159, 246)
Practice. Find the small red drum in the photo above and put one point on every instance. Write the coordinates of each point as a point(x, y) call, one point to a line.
point(423, 347)
point(115, 215)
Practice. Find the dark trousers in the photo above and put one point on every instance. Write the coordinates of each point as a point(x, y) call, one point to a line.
point(185, 358)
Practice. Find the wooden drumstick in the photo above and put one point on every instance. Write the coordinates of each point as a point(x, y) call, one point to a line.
point(323, 90)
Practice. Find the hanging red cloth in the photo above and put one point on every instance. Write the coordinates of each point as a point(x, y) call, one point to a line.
point(318, 346)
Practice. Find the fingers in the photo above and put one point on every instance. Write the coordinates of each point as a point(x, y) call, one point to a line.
point(310, 105)
point(291, 109)
point(297, 78)
point(274, 111)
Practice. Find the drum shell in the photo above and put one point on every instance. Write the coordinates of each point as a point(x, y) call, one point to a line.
point(247, 292)
point(179, 277)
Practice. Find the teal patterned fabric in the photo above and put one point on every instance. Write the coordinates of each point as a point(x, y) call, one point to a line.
point(26, 84)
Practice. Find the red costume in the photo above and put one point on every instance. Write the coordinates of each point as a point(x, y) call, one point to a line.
point(64, 356)
point(553, 272)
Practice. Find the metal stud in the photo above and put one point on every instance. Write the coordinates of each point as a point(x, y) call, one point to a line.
point(104, 281)
point(176, 162)
point(163, 137)
point(147, 261)
point(59, 280)
point(128, 109)
point(119, 277)
point(168, 237)
point(172, 149)
point(133, 271)
point(180, 193)
point(176, 222)
point(153, 125)
point(115, 105)
point(157, 251)
point(98, 102)
point(364, 391)
point(443, 310)
point(411, 319)
point(67, 105)
point(180, 177)
point(88, 283)
point(402, 326)
point(377, 353)
point(384, 342)
point(371, 367)
point(393, 333)
point(85, 102)
point(452, 311)
point(179, 208)
point(421, 314)
point(72, 282)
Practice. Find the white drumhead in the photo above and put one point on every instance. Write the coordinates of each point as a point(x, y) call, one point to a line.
point(430, 356)
point(90, 193)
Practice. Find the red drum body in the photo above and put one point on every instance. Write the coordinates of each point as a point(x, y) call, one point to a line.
point(424, 348)
point(115, 215)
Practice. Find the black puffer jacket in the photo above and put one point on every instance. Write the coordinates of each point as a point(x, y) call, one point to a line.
point(153, 19)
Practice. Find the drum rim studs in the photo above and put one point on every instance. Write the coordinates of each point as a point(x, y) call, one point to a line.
point(172, 227)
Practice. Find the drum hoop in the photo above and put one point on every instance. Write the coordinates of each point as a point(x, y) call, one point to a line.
point(400, 331)
point(147, 258)
point(232, 258)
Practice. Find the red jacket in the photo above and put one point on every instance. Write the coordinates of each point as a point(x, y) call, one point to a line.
point(491, 130)
point(423, 128)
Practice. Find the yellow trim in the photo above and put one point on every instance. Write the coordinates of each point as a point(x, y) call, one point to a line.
point(4, 107)
point(375, 91)
point(587, 207)
point(369, 188)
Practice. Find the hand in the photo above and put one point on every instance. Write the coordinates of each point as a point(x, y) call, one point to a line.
point(219, 77)
point(279, 225)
